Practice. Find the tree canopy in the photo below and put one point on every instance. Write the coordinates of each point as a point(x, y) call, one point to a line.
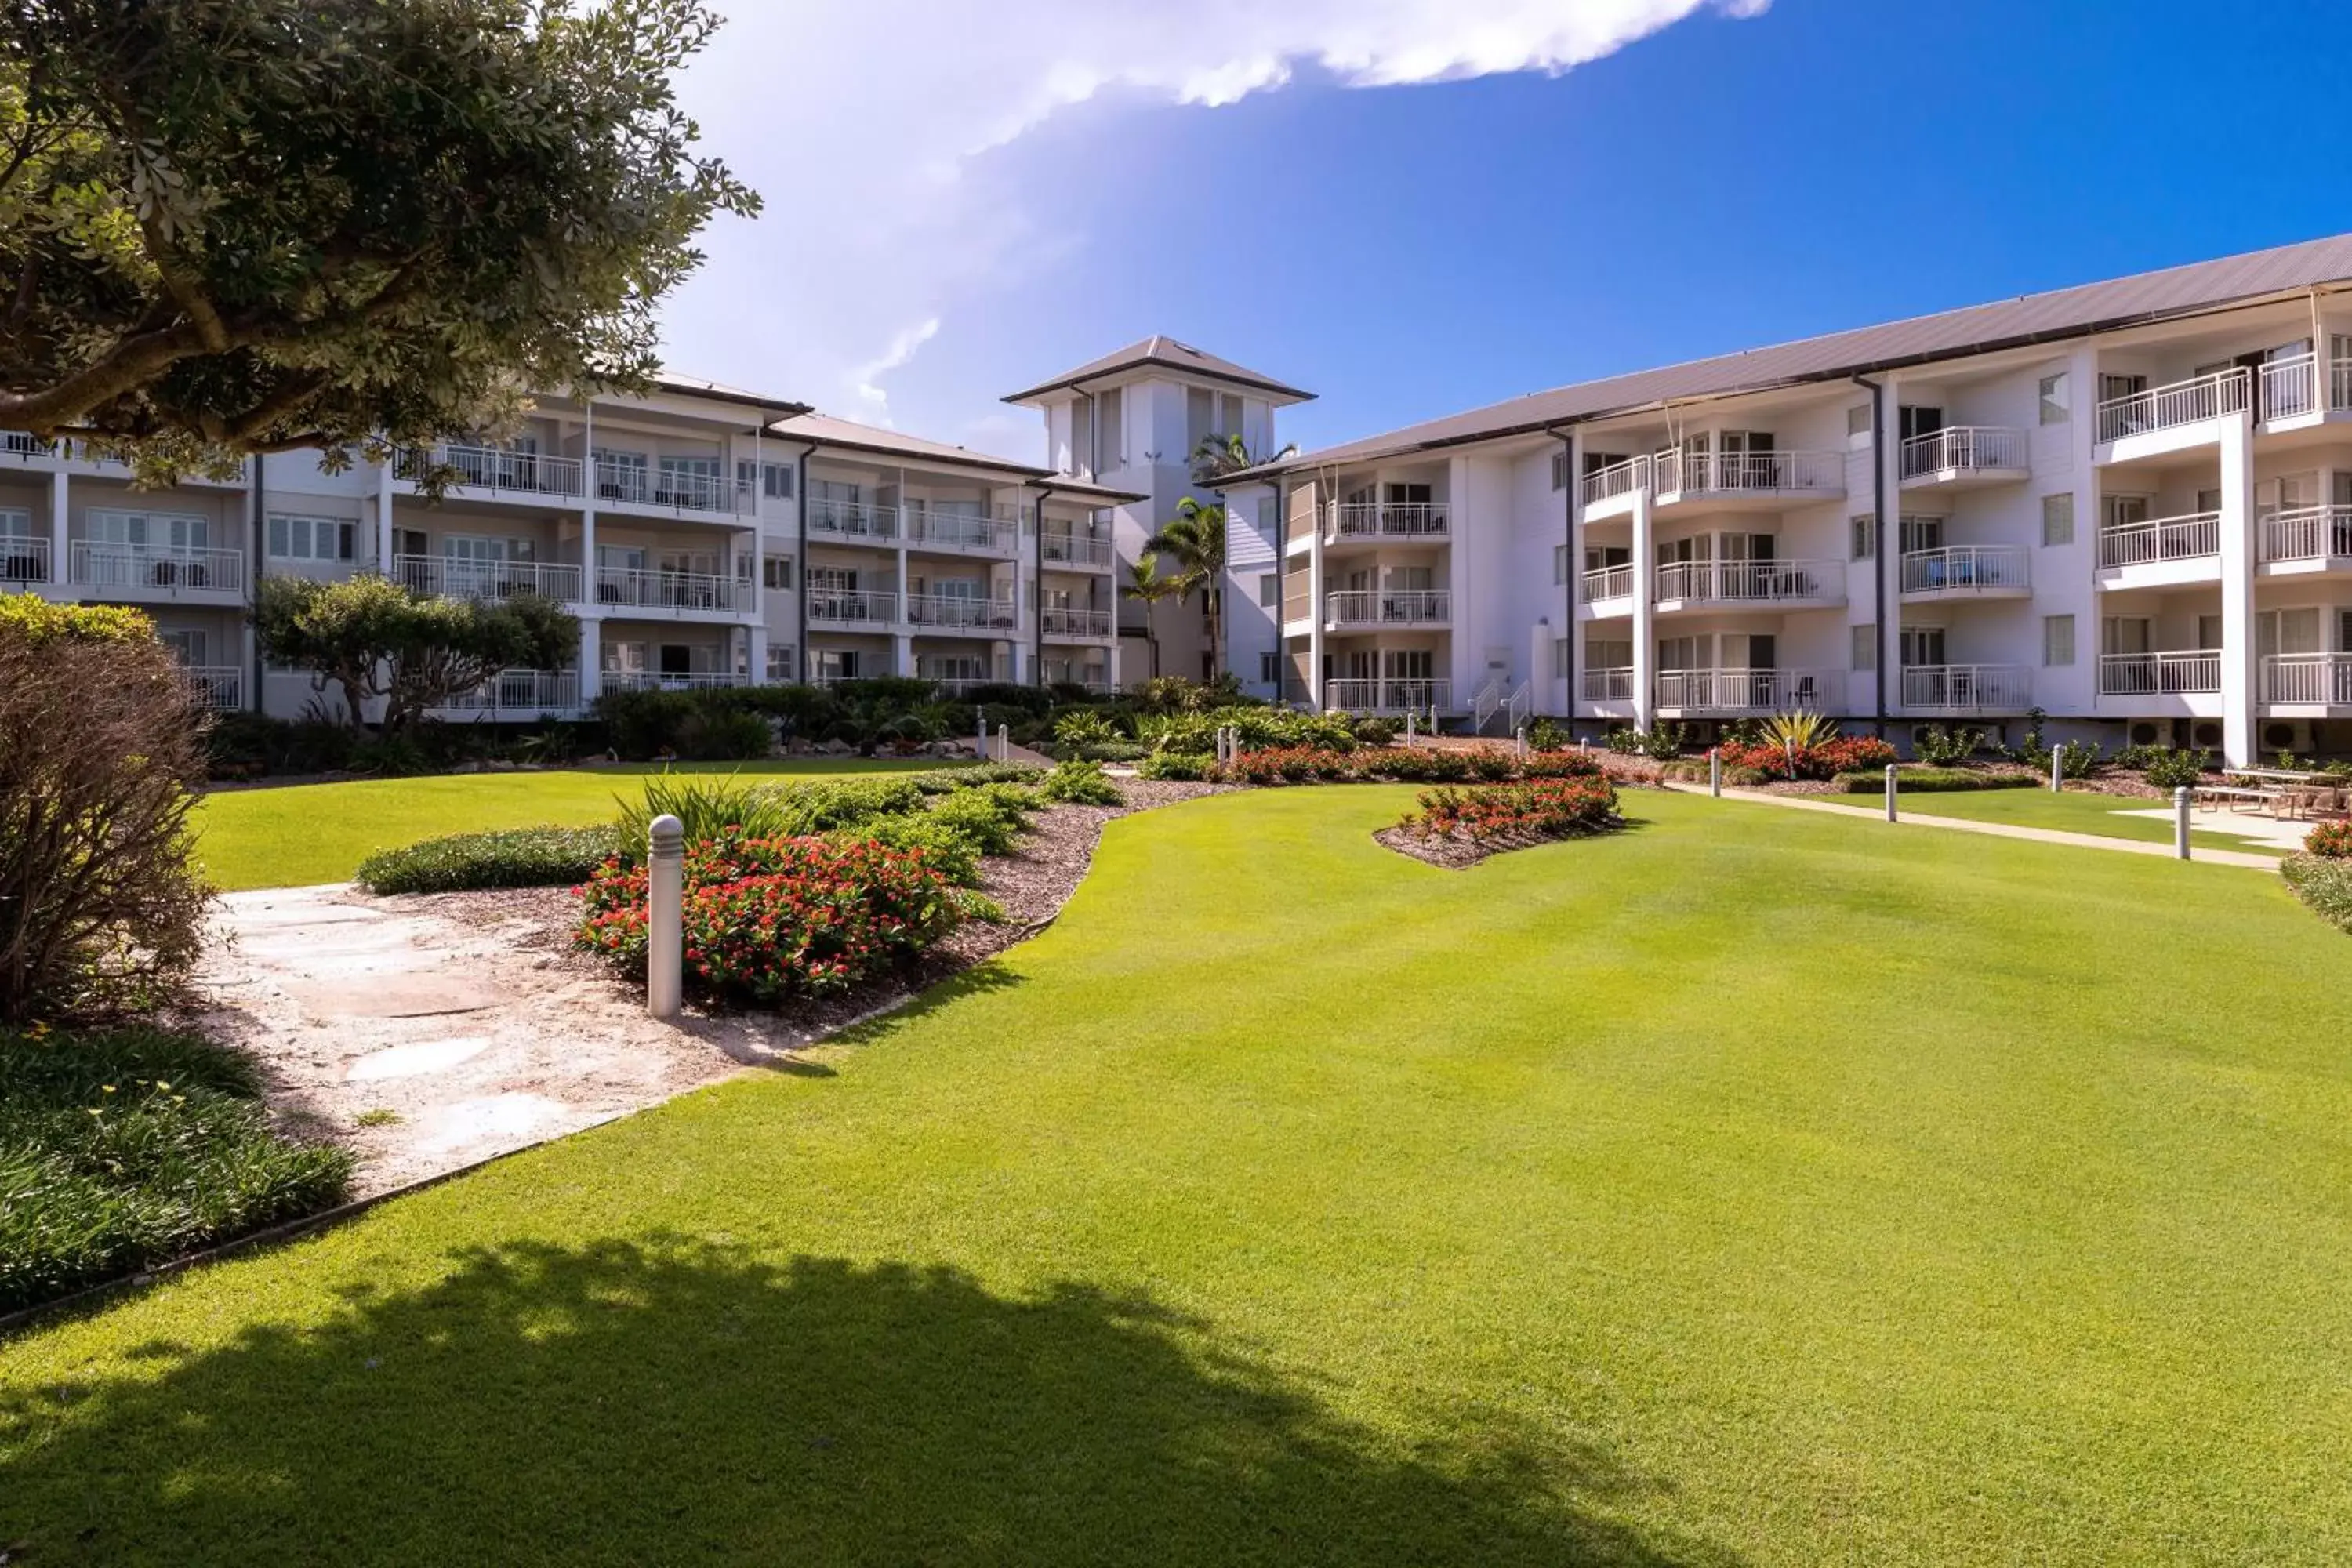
point(243, 226)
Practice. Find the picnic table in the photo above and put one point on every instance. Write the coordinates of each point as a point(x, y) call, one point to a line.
point(2283, 792)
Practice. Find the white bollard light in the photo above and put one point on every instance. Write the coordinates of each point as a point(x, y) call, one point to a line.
point(665, 917)
point(1519, 740)
point(2057, 770)
point(1004, 742)
point(1890, 792)
point(2180, 823)
point(1410, 719)
point(1715, 773)
point(979, 728)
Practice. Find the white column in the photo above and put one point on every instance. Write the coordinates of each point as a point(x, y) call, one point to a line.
point(902, 654)
point(1887, 448)
point(1572, 591)
point(1645, 578)
point(384, 518)
point(1468, 634)
point(2241, 731)
point(2081, 560)
point(592, 658)
point(1314, 598)
point(757, 659)
point(592, 626)
point(244, 665)
point(61, 557)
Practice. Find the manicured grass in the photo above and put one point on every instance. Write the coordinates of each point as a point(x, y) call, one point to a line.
point(2076, 810)
point(299, 835)
point(1749, 1187)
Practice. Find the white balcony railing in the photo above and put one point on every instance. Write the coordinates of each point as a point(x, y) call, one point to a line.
point(1965, 567)
point(24, 560)
point(1067, 621)
point(2182, 403)
point(221, 686)
point(998, 533)
point(1073, 550)
point(2310, 679)
point(2308, 534)
point(520, 691)
point(1387, 695)
point(1732, 473)
point(156, 566)
point(1609, 582)
point(653, 590)
point(2186, 538)
point(493, 469)
point(460, 579)
point(1387, 607)
point(1967, 688)
point(853, 607)
point(671, 679)
point(1747, 691)
point(672, 489)
point(1962, 449)
point(1616, 685)
point(2160, 674)
point(1386, 519)
point(20, 445)
point(853, 520)
point(1750, 582)
point(960, 684)
point(2340, 382)
point(2290, 388)
point(956, 610)
point(1616, 479)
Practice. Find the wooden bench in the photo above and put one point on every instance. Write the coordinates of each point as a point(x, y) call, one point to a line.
point(2212, 796)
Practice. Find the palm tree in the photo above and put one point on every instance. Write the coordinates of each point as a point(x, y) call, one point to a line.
point(1219, 456)
point(1196, 541)
point(1145, 585)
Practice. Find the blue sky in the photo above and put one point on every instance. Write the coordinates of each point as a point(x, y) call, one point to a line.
point(969, 207)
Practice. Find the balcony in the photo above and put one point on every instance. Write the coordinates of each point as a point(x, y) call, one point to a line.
point(158, 571)
point(2313, 680)
point(444, 576)
point(675, 593)
point(1075, 625)
point(221, 686)
point(1398, 695)
point(1681, 691)
point(996, 534)
point(494, 471)
point(1701, 585)
point(1609, 685)
point(2190, 673)
point(2309, 539)
point(866, 610)
point(1730, 478)
point(1961, 456)
point(2189, 547)
point(1609, 582)
point(1356, 607)
point(672, 680)
point(854, 521)
point(1967, 572)
point(956, 612)
point(675, 492)
point(1615, 482)
point(1075, 550)
point(1362, 522)
point(524, 693)
point(2181, 404)
point(24, 561)
point(1967, 688)
point(960, 684)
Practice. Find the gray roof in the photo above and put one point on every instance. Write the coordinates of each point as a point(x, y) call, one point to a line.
point(2028, 318)
point(824, 430)
point(1168, 353)
point(696, 386)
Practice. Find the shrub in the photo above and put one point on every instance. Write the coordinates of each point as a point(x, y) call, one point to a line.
point(2077, 760)
point(947, 781)
point(1376, 730)
point(1290, 764)
point(515, 857)
point(1932, 781)
point(992, 816)
point(1546, 736)
point(2168, 769)
point(1823, 760)
point(1186, 767)
point(1261, 729)
point(1625, 742)
point(1585, 804)
point(123, 1150)
point(2325, 885)
point(946, 846)
point(1084, 728)
point(2330, 841)
point(102, 737)
point(770, 919)
point(1080, 783)
point(1942, 747)
point(710, 806)
point(1560, 765)
point(725, 737)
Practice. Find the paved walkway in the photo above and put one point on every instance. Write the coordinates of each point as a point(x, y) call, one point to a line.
point(1998, 829)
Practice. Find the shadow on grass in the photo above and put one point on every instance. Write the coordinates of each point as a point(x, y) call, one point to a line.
point(679, 1401)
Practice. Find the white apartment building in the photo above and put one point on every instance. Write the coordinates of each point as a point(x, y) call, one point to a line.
point(2127, 504)
point(704, 536)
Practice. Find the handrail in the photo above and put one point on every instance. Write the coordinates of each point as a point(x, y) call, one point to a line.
point(671, 680)
point(1069, 621)
point(1387, 519)
point(1747, 690)
point(957, 610)
point(1967, 688)
point(2184, 538)
point(1073, 549)
point(463, 579)
point(995, 532)
point(675, 490)
point(1386, 607)
point(519, 690)
point(2180, 403)
point(2309, 678)
point(221, 686)
point(2308, 534)
point(492, 468)
point(1976, 567)
point(2160, 674)
point(1386, 694)
point(1749, 581)
point(1686, 472)
point(1616, 479)
point(1609, 582)
point(657, 589)
point(1963, 448)
point(24, 559)
point(2289, 386)
point(853, 606)
point(97, 563)
point(1609, 685)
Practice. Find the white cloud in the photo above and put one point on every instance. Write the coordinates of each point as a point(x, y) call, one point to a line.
point(867, 124)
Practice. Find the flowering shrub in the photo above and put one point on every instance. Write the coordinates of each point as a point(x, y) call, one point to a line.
point(1582, 803)
point(771, 917)
point(1403, 764)
point(1825, 759)
point(2330, 841)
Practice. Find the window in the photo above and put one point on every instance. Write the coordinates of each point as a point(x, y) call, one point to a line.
point(1269, 669)
point(773, 480)
point(780, 663)
point(2056, 404)
point(2058, 519)
point(1865, 537)
point(1559, 471)
point(1269, 515)
point(1269, 589)
point(1857, 419)
point(1865, 647)
point(2057, 641)
point(776, 573)
point(310, 537)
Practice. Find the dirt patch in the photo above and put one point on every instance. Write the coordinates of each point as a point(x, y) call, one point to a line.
point(1458, 852)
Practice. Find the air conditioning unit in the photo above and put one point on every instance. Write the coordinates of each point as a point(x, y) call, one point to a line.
point(2207, 734)
point(2286, 735)
point(2145, 734)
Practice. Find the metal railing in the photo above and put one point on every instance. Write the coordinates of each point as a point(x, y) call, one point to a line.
point(1609, 582)
point(1731, 473)
point(2307, 533)
point(850, 606)
point(1747, 690)
point(1616, 685)
point(629, 586)
point(493, 469)
point(1387, 695)
point(1387, 607)
point(2181, 402)
point(24, 559)
point(221, 686)
point(999, 532)
point(958, 610)
point(160, 567)
point(1616, 479)
point(1965, 567)
point(2160, 674)
point(671, 680)
point(2340, 382)
point(1517, 709)
point(1750, 581)
point(520, 691)
point(2309, 678)
point(2184, 538)
point(959, 684)
point(2290, 388)
point(1962, 449)
point(1967, 688)
point(853, 520)
point(1073, 550)
point(675, 490)
point(1386, 519)
point(1067, 621)
point(463, 579)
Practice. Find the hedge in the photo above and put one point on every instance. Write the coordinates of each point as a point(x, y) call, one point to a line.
point(2325, 885)
point(1933, 781)
point(516, 858)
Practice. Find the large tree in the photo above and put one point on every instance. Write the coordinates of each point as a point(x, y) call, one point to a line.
point(1194, 543)
point(244, 226)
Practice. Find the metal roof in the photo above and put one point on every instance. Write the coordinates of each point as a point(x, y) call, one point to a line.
point(1168, 353)
point(824, 430)
point(2052, 317)
point(695, 386)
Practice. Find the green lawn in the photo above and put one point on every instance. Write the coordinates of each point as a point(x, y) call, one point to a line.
point(2076, 810)
point(1749, 1188)
point(298, 834)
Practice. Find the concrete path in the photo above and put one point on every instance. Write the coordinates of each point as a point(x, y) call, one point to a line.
point(1997, 829)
